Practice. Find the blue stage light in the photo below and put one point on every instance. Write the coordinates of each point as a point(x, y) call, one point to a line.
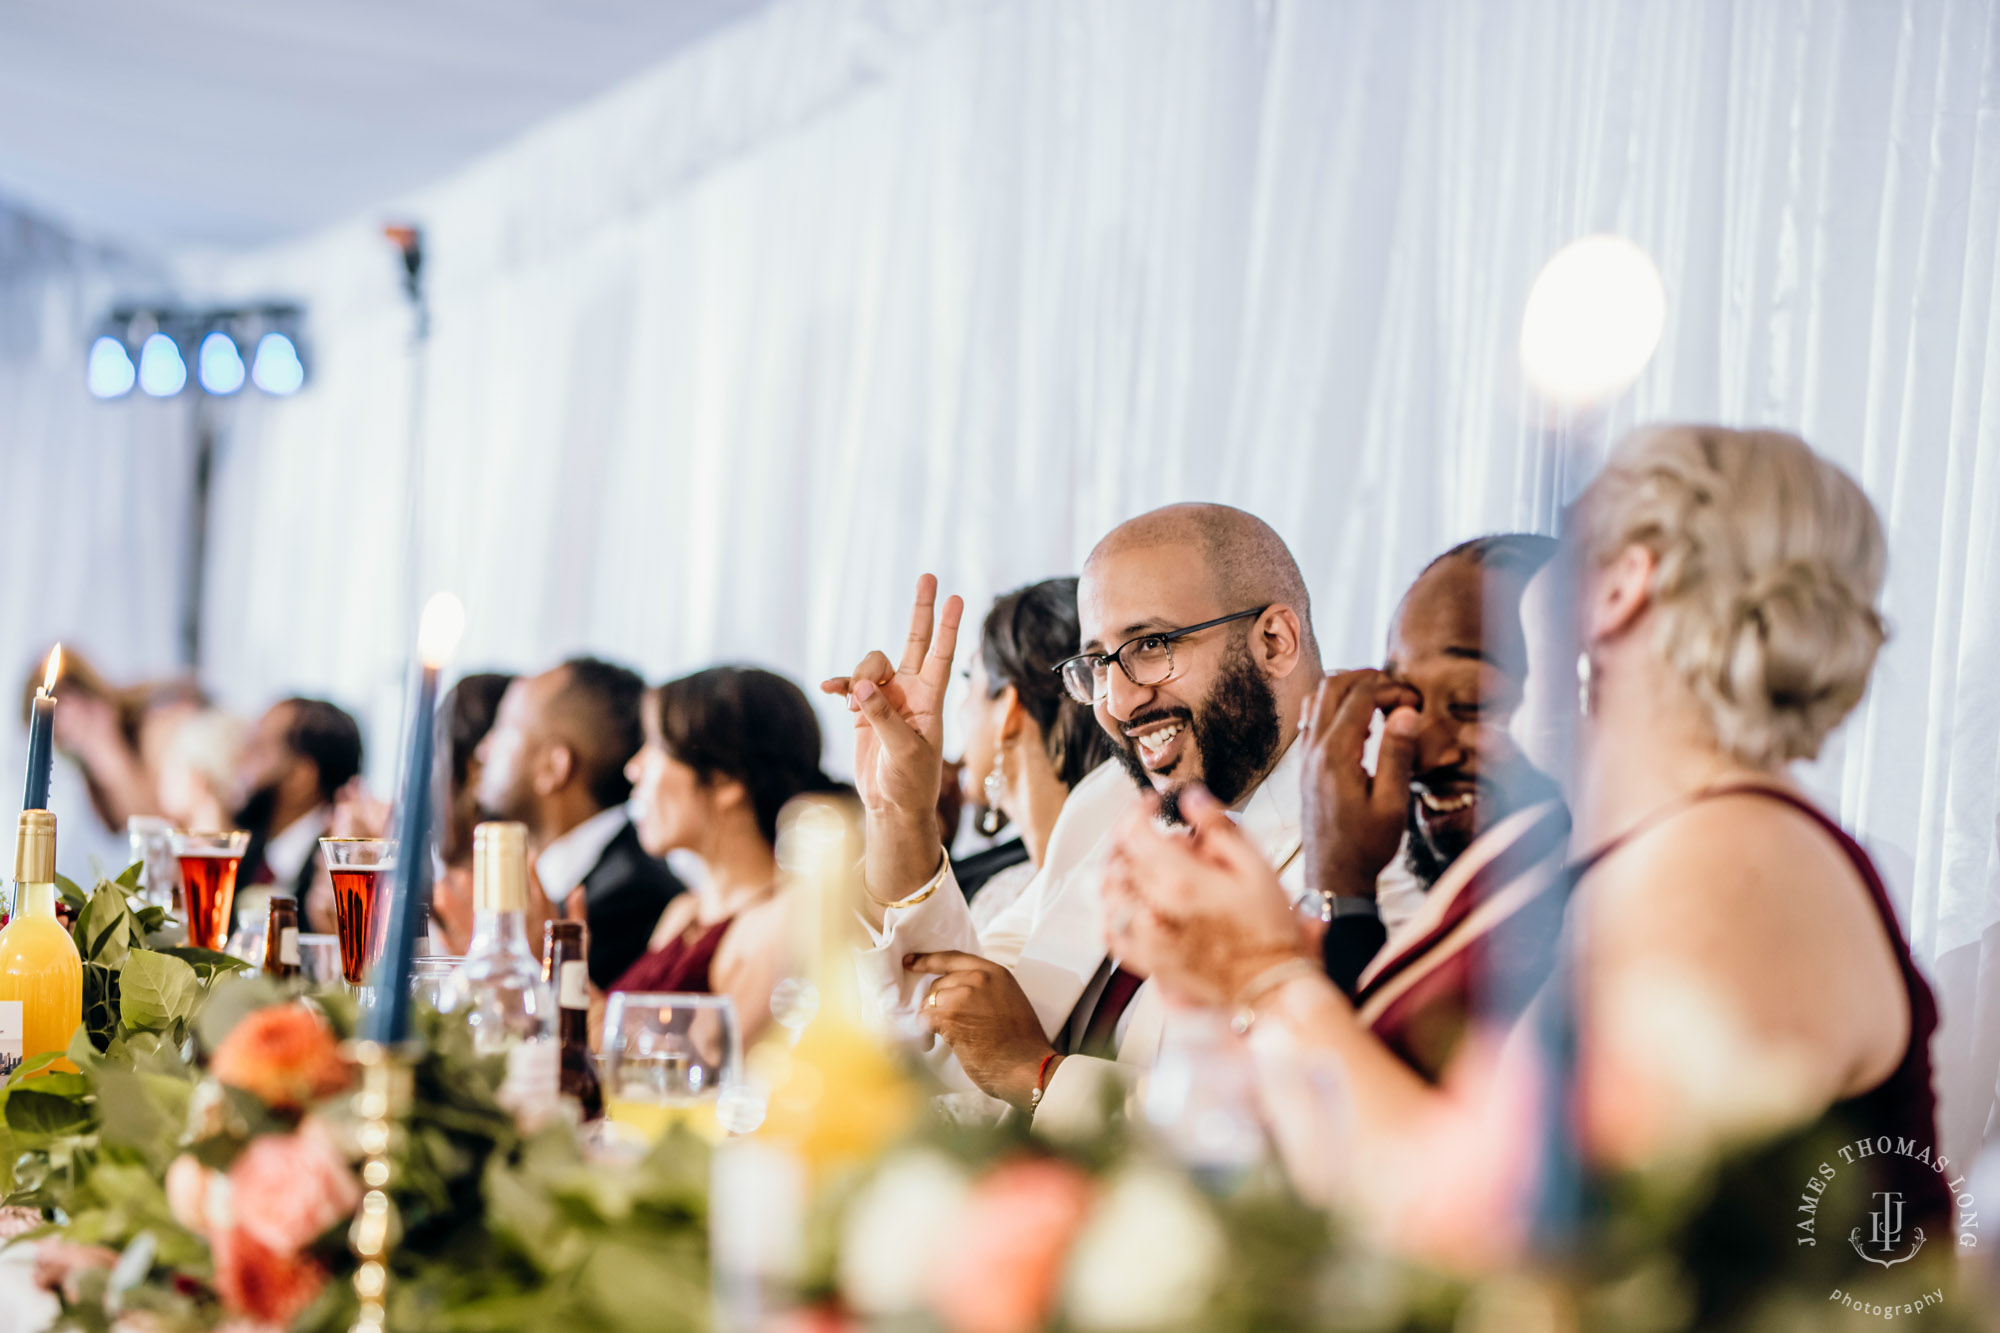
point(277, 369)
point(220, 364)
point(110, 374)
point(162, 372)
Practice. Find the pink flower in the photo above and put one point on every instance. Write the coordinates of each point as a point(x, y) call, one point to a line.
point(59, 1263)
point(285, 1190)
point(267, 1285)
point(285, 1054)
point(1015, 1233)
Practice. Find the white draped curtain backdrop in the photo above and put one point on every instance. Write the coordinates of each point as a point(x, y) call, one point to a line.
point(856, 290)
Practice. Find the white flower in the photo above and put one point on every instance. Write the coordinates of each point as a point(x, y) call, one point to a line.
point(1148, 1257)
point(896, 1227)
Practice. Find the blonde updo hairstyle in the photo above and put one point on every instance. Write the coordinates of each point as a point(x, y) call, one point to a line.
point(1769, 563)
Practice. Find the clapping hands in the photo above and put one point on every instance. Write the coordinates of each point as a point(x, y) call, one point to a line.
point(1202, 915)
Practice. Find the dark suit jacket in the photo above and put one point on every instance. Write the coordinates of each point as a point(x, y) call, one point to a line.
point(623, 896)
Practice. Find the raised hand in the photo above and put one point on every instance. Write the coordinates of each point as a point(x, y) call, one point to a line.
point(899, 743)
point(1352, 821)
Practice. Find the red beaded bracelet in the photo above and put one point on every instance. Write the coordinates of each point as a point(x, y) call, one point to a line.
point(1041, 1081)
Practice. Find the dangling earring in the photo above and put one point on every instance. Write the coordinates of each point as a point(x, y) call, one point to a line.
point(1585, 701)
point(996, 789)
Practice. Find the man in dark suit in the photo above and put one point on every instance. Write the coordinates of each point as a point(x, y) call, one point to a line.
point(301, 754)
point(555, 761)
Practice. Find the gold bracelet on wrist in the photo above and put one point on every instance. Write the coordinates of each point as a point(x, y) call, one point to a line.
point(935, 882)
point(1244, 1013)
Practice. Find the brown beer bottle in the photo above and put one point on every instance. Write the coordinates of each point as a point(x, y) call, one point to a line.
point(568, 975)
point(281, 939)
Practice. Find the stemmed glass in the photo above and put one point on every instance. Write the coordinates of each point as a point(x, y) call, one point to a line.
point(356, 866)
point(667, 1059)
point(209, 862)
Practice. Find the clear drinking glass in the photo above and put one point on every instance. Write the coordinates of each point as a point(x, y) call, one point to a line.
point(429, 974)
point(357, 867)
point(209, 862)
point(667, 1059)
point(319, 959)
point(152, 842)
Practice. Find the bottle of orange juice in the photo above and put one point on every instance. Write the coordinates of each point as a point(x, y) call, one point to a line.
point(41, 976)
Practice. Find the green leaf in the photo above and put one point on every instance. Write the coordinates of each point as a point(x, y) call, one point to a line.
point(205, 962)
point(34, 1065)
point(32, 1112)
point(72, 896)
point(128, 878)
point(104, 929)
point(155, 991)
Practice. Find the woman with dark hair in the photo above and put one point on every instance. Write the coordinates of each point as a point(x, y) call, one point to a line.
point(725, 749)
point(463, 718)
point(1028, 744)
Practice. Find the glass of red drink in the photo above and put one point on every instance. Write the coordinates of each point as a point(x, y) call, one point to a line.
point(360, 868)
point(208, 882)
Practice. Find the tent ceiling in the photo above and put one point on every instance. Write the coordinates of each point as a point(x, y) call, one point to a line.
point(219, 123)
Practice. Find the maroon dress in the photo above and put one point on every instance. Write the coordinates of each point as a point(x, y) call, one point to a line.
point(1902, 1108)
point(680, 966)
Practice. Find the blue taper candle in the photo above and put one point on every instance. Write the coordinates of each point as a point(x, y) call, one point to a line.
point(388, 1021)
point(41, 737)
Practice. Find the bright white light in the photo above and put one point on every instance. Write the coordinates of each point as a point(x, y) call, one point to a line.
point(110, 374)
point(437, 632)
point(277, 369)
point(1593, 321)
point(220, 364)
point(162, 372)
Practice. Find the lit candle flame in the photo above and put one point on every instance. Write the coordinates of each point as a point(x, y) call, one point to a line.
point(54, 670)
point(439, 630)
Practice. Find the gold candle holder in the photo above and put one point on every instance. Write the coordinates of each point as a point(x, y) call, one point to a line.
point(384, 1095)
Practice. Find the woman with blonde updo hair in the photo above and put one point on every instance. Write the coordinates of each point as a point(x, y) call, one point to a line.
point(1735, 962)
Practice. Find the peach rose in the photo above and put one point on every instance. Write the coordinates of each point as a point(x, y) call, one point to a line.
point(285, 1190)
point(269, 1286)
point(285, 1054)
point(1015, 1234)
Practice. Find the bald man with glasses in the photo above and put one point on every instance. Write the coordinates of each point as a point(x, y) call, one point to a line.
point(1199, 660)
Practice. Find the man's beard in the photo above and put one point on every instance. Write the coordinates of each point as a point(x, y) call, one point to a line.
point(1235, 732)
point(1429, 852)
point(255, 815)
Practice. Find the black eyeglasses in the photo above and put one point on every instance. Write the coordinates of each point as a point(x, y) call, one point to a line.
point(1147, 660)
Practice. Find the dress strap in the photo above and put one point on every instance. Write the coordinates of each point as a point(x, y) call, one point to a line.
point(1584, 864)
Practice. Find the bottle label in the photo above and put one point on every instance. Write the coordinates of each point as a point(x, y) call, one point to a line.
point(574, 985)
point(288, 946)
point(10, 1036)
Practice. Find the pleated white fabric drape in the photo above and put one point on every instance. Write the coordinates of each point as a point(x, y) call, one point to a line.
point(856, 290)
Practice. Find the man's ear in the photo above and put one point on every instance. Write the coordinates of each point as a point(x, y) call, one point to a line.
point(1277, 641)
point(554, 770)
point(1618, 592)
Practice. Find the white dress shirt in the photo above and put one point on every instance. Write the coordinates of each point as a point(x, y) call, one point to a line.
point(288, 850)
point(1053, 940)
point(565, 862)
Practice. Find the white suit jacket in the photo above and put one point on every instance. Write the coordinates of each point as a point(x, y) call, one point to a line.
point(1052, 938)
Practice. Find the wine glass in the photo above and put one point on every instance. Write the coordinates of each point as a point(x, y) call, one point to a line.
point(209, 862)
point(667, 1059)
point(356, 866)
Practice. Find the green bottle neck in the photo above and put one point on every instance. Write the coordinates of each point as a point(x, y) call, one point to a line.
point(35, 900)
